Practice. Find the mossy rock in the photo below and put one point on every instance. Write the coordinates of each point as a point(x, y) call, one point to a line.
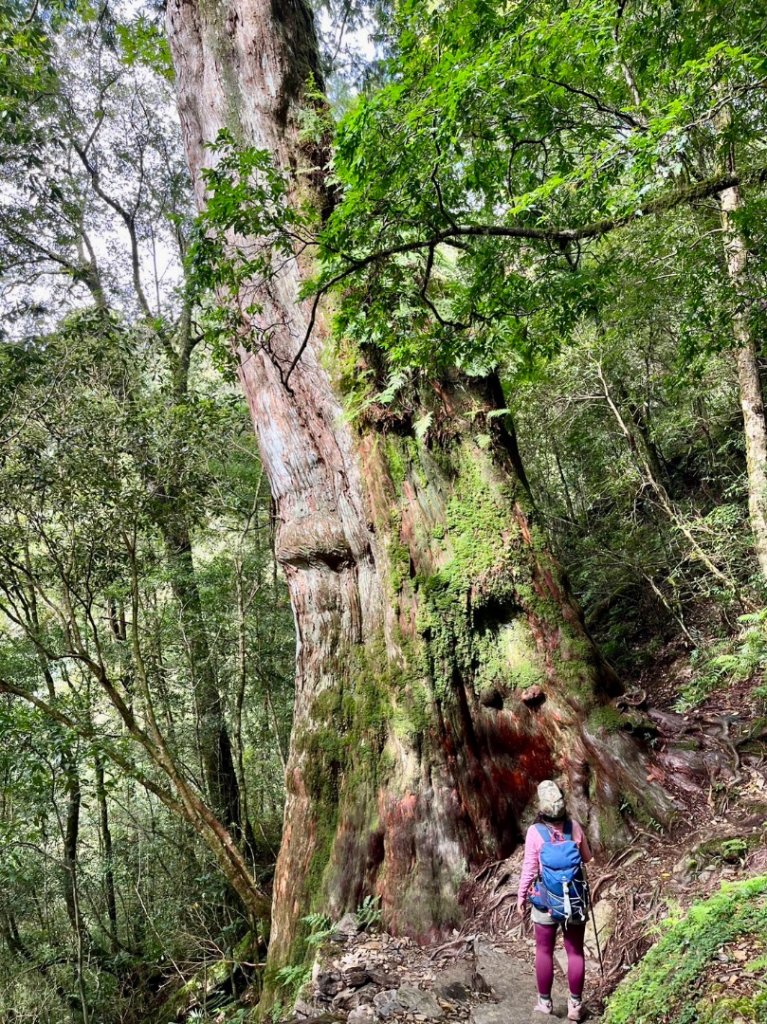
point(679, 981)
point(725, 850)
point(712, 853)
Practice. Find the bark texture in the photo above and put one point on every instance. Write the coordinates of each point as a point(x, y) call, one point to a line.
point(441, 668)
point(749, 383)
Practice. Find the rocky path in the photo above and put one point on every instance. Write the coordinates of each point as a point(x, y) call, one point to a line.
point(378, 979)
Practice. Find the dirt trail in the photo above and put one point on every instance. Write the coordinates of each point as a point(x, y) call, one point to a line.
point(370, 979)
point(484, 975)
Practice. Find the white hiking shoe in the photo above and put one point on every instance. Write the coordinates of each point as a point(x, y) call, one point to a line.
point(544, 1005)
point(574, 1009)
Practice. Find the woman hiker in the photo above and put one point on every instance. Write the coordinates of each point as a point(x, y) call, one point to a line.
point(552, 819)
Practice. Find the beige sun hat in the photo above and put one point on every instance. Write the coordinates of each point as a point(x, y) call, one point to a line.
point(551, 802)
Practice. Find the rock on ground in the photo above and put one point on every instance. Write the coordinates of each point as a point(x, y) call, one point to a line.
point(361, 1015)
point(603, 918)
point(456, 982)
point(407, 1000)
point(419, 1001)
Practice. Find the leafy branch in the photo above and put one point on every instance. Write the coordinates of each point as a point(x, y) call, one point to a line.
point(249, 234)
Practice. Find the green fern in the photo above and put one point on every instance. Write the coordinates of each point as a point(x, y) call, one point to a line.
point(369, 914)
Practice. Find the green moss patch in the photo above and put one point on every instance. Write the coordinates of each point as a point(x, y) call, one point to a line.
point(686, 976)
point(607, 718)
point(509, 658)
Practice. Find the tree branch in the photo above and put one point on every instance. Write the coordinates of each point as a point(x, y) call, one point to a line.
point(87, 732)
point(622, 115)
point(128, 218)
point(561, 236)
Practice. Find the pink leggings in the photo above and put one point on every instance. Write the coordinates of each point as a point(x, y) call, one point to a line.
point(545, 937)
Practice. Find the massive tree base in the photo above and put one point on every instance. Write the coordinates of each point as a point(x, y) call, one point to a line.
point(419, 760)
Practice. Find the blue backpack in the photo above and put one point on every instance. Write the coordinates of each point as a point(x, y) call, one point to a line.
point(561, 888)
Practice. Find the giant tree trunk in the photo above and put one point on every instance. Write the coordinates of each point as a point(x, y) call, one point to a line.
point(441, 668)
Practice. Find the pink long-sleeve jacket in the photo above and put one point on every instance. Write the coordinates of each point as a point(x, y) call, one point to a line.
point(531, 865)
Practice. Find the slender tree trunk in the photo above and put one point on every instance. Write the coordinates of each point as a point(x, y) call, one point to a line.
point(106, 841)
point(181, 796)
point(749, 383)
point(643, 436)
point(242, 681)
point(215, 745)
point(646, 472)
point(441, 668)
point(563, 481)
point(185, 800)
point(70, 828)
point(71, 837)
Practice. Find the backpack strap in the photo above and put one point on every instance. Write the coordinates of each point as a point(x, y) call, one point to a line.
point(544, 832)
point(547, 834)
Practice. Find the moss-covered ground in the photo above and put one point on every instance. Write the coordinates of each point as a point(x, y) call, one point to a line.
point(709, 967)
